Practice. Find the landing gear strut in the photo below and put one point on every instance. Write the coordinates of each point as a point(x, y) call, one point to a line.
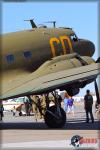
point(97, 105)
point(97, 92)
point(55, 116)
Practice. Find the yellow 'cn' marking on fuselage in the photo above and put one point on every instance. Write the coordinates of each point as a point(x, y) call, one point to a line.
point(60, 40)
point(52, 40)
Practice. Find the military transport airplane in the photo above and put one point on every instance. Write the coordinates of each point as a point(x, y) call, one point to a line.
point(41, 60)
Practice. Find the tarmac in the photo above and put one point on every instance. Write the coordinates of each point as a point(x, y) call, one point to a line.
point(24, 132)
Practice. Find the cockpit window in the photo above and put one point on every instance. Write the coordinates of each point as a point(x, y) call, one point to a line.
point(74, 37)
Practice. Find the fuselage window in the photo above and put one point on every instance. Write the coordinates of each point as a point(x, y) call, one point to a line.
point(27, 54)
point(74, 38)
point(10, 58)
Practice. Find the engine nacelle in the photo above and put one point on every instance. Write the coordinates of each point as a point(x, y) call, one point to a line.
point(63, 62)
point(74, 89)
point(72, 92)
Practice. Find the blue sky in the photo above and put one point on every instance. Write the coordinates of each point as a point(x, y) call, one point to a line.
point(81, 16)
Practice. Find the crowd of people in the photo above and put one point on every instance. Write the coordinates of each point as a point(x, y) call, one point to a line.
point(37, 104)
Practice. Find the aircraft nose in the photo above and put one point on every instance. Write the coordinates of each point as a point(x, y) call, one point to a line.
point(84, 47)
point(90, 48)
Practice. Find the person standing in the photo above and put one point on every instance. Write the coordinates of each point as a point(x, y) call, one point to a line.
point(14, 111)
point(66, 98)
point(71, 105)
point(1, 110)
point(27, 105)
point(37, 109)
point(88, 103)
point(59, 98)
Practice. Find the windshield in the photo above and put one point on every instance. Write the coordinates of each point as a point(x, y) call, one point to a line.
point(74, 37)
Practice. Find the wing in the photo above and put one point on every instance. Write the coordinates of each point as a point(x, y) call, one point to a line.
point(50, 82)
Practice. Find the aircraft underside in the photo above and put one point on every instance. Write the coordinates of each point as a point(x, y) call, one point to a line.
point(69, 73)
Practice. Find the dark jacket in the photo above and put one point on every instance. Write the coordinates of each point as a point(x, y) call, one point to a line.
point(88, 100)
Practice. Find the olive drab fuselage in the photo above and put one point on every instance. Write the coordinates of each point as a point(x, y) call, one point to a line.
point(25, 51)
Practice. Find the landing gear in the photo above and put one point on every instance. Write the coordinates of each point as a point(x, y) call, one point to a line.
point(97, 92)
point(55, 117)
point(97, 105)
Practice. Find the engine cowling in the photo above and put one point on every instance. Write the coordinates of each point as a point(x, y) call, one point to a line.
point(74, 88)
point(73, 92)
point(63, 62)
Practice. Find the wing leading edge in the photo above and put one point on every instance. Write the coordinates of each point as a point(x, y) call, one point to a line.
point(51, 81)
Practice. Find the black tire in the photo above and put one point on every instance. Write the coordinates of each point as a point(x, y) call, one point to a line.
point(51, 121)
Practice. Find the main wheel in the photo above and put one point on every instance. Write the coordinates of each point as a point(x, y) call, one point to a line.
point(53, 119)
